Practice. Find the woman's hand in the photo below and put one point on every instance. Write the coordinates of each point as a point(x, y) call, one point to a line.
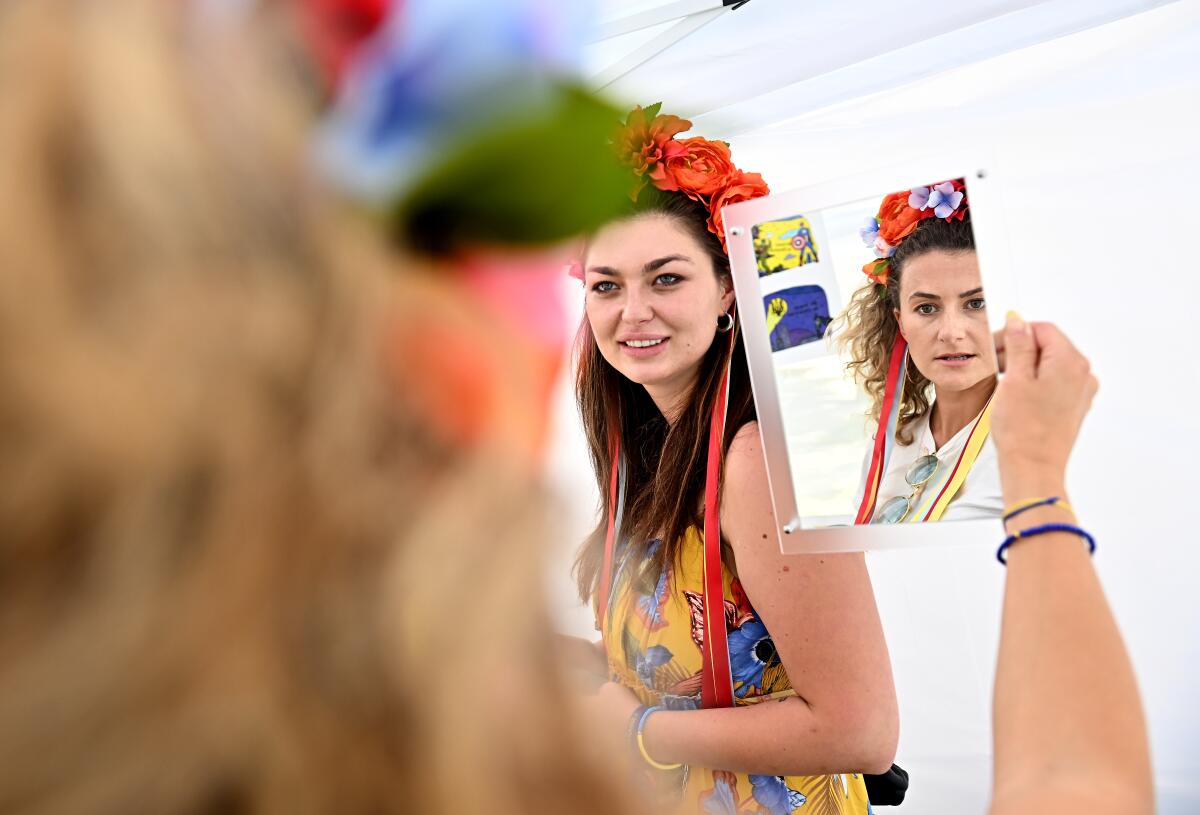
point(1040, 405)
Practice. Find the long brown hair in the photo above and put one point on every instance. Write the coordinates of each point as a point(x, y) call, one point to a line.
point(666, 462)
point(868, 326)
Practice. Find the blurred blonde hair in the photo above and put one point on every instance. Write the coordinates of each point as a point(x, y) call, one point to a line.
point(238, 570)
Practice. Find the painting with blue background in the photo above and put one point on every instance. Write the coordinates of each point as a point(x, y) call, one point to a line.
point(796, 316)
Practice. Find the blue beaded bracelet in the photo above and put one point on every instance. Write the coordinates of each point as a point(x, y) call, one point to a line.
point(1042, 530)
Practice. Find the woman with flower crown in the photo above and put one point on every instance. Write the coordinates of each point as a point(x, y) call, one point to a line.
point(918, 341)
point(743, 681)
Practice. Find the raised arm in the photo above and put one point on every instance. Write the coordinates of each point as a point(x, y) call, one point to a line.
point(820, 611)
point(1069, 731)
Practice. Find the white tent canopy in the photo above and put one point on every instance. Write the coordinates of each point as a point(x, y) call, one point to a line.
point(1091, 111)
point(771, 59)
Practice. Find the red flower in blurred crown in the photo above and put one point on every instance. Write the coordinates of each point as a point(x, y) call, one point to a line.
point(336, 28)
point(742, 187)
point(646, 141)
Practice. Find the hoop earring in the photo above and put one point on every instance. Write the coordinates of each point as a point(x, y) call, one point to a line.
point(725, 323)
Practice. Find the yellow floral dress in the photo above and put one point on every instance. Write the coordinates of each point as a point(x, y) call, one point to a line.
point(653, 643)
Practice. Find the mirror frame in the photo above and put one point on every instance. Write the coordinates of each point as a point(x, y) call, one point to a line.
point(984, 185)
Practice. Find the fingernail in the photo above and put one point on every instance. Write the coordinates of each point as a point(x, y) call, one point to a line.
point(1014, 323)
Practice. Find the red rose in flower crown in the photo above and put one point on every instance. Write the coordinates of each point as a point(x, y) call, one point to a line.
point(699, 168)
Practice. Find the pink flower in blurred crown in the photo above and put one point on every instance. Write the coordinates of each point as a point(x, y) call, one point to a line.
point(521, 287)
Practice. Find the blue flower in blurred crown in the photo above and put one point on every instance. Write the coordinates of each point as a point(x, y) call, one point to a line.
point(772, 792)
point(435, 74)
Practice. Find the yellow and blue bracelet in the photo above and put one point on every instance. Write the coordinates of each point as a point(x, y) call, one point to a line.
point(1033, 503)
point(641, 715)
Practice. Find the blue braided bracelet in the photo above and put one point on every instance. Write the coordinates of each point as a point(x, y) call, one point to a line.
point(1042, 530)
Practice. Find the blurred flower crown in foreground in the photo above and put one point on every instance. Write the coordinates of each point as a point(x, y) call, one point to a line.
point(464, 123)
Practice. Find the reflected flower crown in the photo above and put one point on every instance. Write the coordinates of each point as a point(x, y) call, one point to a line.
point(901, 213)
point(701, 169)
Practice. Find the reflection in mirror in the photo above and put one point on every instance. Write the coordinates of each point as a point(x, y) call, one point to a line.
point(883, 360)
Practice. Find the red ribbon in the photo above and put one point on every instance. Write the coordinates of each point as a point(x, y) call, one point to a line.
point(716, 679)
point(875, 473)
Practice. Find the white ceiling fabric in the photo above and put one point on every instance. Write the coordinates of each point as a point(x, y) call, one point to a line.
point(772, 59)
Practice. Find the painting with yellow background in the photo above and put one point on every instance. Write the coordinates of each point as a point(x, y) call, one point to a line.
point(785, 244)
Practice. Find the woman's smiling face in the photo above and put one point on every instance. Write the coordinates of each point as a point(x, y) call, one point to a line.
point(653, 299)
point(943, 316)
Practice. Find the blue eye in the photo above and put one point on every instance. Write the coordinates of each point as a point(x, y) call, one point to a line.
point(604, 287)
point(976, 304)
point(668, 279)
point(926, 308)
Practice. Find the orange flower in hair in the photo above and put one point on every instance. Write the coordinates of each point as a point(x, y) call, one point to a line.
point(703, 168)
point(897, 219)
point(698, 168)
point(742, 187)
point(647, 140)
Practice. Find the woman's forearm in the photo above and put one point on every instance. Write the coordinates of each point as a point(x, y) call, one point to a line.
point(785, 737)
point(1067, 714)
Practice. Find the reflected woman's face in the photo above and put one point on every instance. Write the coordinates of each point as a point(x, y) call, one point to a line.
point(652, 300)
point(943, 317)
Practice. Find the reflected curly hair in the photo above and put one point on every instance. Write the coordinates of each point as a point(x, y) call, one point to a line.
point(868, 326)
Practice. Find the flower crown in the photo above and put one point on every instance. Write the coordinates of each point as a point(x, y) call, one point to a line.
point(699, 168)
point(899, 215)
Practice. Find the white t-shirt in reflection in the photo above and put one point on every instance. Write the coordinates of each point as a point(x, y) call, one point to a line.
point(979, 496)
